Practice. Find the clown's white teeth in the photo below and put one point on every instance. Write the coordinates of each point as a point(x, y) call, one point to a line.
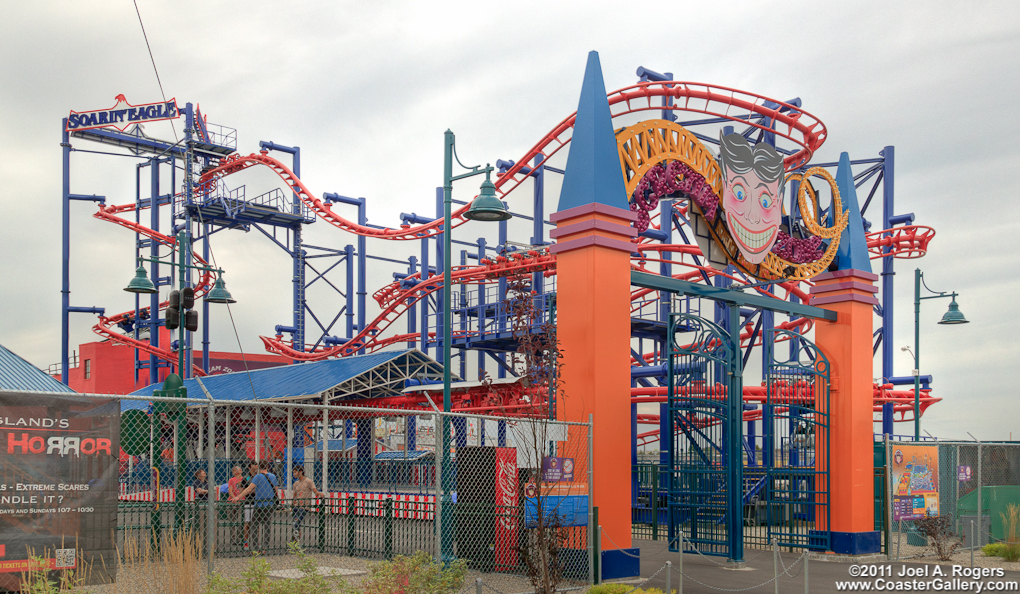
point(755, 240)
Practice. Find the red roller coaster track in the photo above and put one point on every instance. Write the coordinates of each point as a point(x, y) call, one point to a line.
point(801, 128)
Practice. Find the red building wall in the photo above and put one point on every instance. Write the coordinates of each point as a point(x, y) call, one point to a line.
point(107, 367)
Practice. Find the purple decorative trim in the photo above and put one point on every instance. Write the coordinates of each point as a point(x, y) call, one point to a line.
point(797, 250)
point(866, 287)
point(592, 208)
point(844, 273)
point(625, 230)
point(844, 297)
point(660, 181)
point(591, 240)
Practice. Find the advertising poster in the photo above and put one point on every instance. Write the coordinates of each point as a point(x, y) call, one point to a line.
point(58, 483)
point(915, 479)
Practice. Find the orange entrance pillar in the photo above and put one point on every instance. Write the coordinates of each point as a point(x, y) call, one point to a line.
point(847, 343)
point(593, 246)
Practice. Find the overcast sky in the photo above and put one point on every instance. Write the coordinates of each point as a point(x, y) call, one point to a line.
point(366, 89)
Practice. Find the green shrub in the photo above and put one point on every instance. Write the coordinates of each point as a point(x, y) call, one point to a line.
point(994, 549)
point(255, 579)
point(416, 574)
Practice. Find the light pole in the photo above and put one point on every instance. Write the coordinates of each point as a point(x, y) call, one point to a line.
point(953, 316)
point(486, 207)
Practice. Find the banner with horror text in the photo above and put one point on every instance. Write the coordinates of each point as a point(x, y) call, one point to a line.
point(58, 481)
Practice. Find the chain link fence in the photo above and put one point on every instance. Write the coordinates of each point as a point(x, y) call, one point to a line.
point(968, 477)
point(217, 482)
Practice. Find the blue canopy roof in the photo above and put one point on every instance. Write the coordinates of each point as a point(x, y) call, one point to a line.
point(18, 374)
point(349, 378)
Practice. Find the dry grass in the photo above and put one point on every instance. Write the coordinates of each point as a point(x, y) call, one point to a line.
point(176, 567)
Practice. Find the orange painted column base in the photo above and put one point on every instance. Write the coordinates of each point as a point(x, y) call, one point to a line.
point(847, 343)
point(593, 326)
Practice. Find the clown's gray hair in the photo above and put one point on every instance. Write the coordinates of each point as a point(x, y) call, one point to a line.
point(736, 153)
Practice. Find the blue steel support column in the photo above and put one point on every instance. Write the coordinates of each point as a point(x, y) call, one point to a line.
point(888, 206)
point(735, 404)
point(424, 321)
point(297, 253)
point(751, 461)
point(481, 311)
point(633, 455)
point(349, 259)
point(664, 436)
point(500, 308)
point(65, 252)
point(538, 225)
point(364, 458)
point(154, 325)
point(299, 289)
point(459, 432)
point(362, 271)
point(412, 318)
point(462, 308)
point(412, 434)
point(205, 304)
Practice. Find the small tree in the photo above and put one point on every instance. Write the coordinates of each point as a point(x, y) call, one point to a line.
point(538, 362)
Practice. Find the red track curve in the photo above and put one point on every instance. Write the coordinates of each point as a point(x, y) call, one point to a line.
point(693, 97)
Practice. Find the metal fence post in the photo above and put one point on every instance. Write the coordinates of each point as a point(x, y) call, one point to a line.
point(325, 448)
point(888, 493)
point(681, 572)
point(351, 515)
point(654, 504)
point(591, 507)
point(980, 510)
point(388, 530)
point(807, 590)
point(214, 491)
point(669, 577)
point(440, 444)
point(775, 564)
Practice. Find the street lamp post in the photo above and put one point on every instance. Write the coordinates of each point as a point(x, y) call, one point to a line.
point(953, 316)
point(486, 207)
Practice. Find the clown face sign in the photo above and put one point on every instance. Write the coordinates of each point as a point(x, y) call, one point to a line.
point(752, 191)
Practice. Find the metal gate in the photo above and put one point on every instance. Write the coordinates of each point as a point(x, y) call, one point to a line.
point(792, 495)
point(704, 420)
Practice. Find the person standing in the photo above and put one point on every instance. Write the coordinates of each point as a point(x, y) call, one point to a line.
point(201, 486)
point(304, 489)
point(234, 486)
point(263, 490)
point(244, 483)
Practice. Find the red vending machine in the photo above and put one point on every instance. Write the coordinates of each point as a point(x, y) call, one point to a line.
point(487, 507)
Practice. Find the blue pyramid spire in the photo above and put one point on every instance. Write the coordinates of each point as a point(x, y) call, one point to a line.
point(593, 172)
point(853, 247)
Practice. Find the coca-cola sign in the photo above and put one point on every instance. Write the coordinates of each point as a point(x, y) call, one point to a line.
point(506, 508)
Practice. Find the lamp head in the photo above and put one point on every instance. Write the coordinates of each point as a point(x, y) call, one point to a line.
point(487, 207)
point(140, 283)
point(954, 315)
point(219, 293)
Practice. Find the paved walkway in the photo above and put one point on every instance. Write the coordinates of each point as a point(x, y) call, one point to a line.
point(711, 572)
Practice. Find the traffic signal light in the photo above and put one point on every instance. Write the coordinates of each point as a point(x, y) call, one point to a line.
point(173, 311)
point(180, 306)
